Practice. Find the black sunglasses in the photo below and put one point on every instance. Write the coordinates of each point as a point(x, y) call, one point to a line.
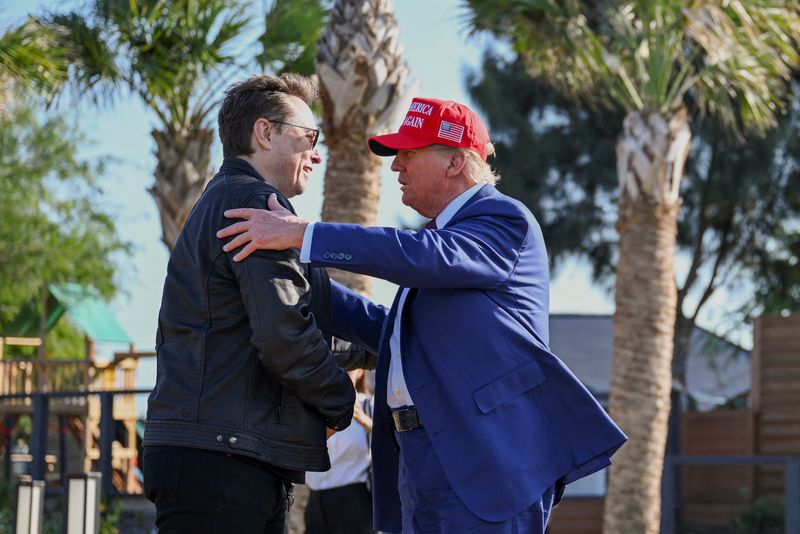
point(315, 130)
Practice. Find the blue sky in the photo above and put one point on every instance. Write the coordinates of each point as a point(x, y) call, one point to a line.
point(439, 53)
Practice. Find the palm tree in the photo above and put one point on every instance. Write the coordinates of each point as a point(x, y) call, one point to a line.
point(362, 74)
point(179, 48)
point(177, 56)
point(657, 59)
point(165, 53)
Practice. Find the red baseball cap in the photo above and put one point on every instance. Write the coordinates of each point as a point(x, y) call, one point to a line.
point(435, 122)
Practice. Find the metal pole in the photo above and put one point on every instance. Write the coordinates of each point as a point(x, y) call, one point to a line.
point(39, 438)
point(30, 506)
point(668, 495)
point(791, 493)
point(62, 448)
point(106, 438)
point(9, 435)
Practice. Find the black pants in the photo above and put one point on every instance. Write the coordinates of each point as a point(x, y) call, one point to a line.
point(343, 510)
point(198, 491)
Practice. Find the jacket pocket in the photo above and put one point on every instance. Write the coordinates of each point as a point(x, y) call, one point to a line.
point(508, 386)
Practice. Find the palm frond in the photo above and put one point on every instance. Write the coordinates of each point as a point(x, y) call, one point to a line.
point(749, 51)
point(32, 56)
point(172, 47)
point(733, 57)
point(93, 70)
point(562, 42)
point(292, 29)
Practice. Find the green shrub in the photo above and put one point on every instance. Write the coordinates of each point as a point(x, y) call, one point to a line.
point(763, 517)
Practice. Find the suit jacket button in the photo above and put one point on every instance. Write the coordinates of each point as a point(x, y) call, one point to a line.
point(348, 257)
point(232, 441)
point(219, 437)
point(340, 256)
point(326, 256)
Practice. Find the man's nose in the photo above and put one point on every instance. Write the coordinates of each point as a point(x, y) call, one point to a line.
point(316, 157)
point(395, 165)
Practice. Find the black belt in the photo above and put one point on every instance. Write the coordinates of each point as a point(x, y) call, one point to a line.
point(406, 418)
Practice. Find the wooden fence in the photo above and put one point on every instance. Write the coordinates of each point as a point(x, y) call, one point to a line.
point(776, 395)
point(26, 377)
point(712, 495)
point(578, 516)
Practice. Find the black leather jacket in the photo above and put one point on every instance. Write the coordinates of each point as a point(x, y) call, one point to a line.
point(243, 366)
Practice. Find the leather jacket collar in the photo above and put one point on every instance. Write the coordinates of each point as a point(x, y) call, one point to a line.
point(238, 166)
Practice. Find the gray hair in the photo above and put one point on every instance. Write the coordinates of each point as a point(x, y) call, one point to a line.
point(475, 168)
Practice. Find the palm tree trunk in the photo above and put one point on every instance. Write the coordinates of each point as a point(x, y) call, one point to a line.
point(650, 153)
point(352, 192)
point(642, 374)
point(363, 78)
point(182, 173)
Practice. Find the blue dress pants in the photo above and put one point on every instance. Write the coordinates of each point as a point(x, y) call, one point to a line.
point(429, 505)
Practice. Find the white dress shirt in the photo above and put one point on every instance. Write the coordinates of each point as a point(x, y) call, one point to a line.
point(397, 394)
point(349, 453)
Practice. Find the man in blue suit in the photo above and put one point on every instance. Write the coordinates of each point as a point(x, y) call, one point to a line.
point(477, 425)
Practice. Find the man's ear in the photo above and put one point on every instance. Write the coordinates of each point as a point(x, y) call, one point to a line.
point(456, 165)
point(262, 134)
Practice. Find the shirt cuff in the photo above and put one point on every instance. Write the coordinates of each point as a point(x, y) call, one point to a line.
point(305, 250)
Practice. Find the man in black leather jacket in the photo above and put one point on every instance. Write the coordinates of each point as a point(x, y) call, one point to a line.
point(246, 383)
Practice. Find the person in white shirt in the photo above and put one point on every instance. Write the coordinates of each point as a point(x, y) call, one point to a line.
point(340, 501)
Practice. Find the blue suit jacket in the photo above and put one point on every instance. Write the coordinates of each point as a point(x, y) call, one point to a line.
point(505, 416)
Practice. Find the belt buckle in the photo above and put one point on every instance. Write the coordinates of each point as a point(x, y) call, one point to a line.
point(406, 419)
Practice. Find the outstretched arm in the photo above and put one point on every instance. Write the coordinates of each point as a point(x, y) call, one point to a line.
point(479, 252)
point(357, 318)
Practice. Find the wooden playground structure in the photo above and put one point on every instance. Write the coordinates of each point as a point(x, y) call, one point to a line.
point(78, 416)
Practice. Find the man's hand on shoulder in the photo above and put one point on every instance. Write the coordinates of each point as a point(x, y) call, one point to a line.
point(276, 229)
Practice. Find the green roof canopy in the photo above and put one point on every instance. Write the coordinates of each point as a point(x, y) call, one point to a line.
point(85, 308)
